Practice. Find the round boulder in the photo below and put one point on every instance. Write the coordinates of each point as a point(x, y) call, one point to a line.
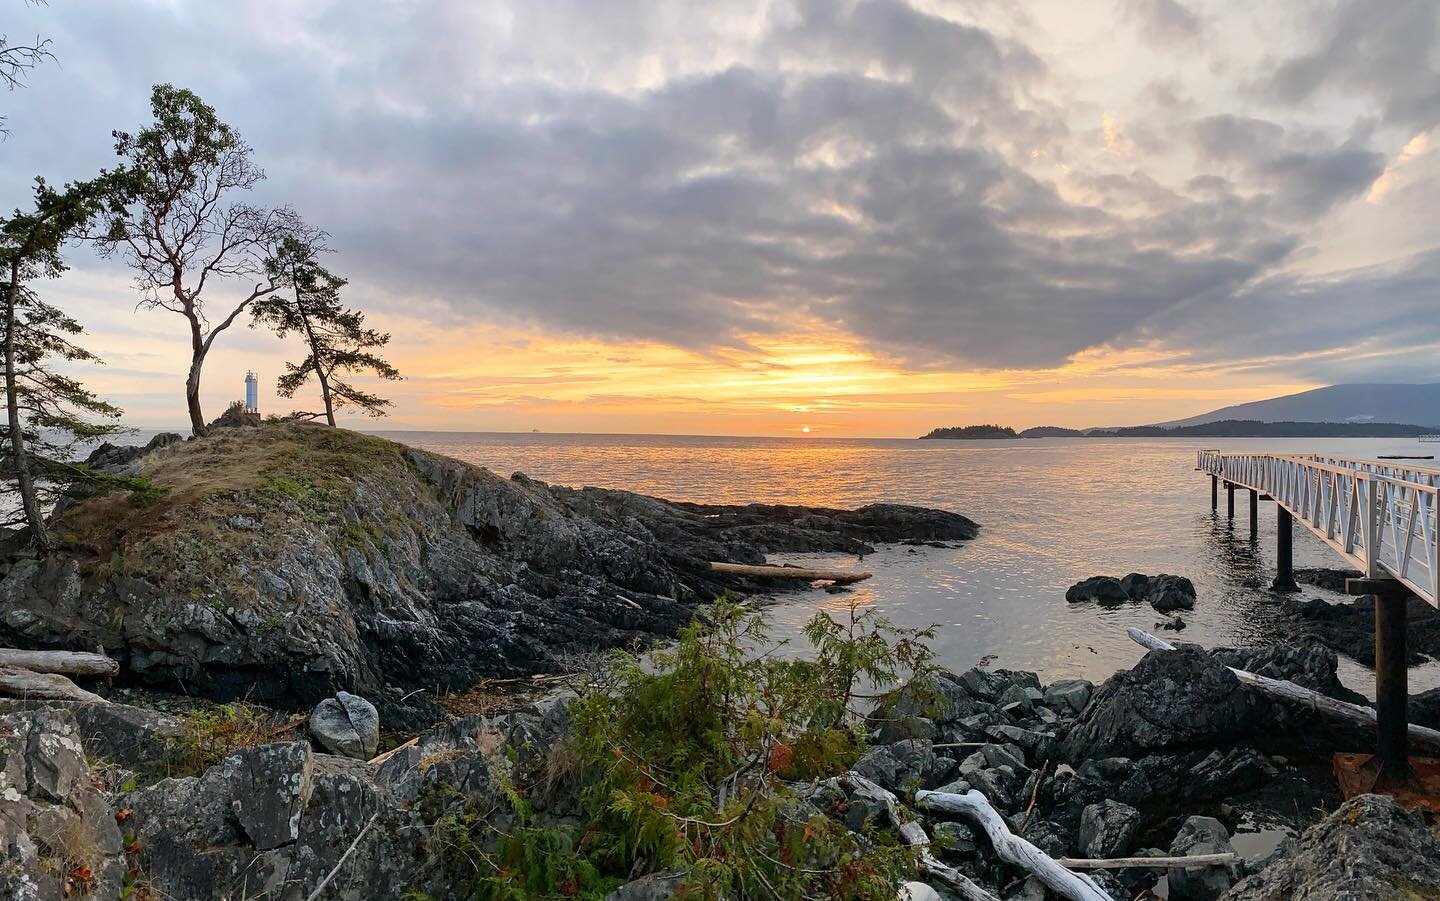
point(347, 725)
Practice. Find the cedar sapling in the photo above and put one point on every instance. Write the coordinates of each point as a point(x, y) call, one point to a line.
point(47, 411)
point(183, 232)
point(336, 340)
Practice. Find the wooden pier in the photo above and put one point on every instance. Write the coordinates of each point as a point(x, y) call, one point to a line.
point(1380, 517)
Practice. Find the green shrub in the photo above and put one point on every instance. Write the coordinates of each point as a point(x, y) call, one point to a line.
point(685, 761)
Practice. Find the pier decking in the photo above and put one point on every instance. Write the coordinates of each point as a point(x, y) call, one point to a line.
point(1379, 516)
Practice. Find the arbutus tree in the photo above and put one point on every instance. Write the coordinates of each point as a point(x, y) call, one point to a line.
point(337, 342)
point(183, 232)
point(47, 411)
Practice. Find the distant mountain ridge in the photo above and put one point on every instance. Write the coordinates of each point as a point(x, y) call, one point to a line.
point(1378, 403)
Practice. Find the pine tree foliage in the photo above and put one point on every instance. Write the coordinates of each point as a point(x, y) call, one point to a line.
point(182, 229)
point(338, 344)
point(49, 411)
point(688, 761)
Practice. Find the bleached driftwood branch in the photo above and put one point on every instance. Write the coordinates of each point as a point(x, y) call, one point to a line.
point(24, 683)
point(914, 835)
point(73, 663)
point(1012, 848)
point(1285, 690)
point(1158, 863)
point(839, 577)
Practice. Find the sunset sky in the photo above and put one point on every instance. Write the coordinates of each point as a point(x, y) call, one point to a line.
point(860, 218)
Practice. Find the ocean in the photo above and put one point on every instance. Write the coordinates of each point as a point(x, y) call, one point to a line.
point(1051, 511)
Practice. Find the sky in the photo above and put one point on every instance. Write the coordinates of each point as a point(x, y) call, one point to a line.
point(796, 217)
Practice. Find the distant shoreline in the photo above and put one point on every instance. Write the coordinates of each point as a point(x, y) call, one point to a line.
point(1228, 428)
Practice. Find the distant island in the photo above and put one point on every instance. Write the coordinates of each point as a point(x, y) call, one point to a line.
point(1227, 428)
point(1051, 431)
point(970, 432)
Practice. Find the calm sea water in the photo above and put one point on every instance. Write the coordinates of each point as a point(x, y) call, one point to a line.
point(1052, 512)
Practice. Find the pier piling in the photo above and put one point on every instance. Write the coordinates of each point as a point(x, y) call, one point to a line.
point(1254, 513)
point(1284, 552)
point(1230, 499)
point(1214, 494)
point(1392, 688)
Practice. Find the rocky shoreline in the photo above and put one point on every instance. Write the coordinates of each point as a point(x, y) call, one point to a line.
point(1171, 758)
point(288, 562)
point(348, 581)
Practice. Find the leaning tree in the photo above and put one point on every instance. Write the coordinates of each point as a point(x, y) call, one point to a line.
point(184, 232)
point(48, 412)
point(336, 340)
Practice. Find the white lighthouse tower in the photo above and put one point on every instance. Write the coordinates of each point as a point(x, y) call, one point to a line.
point(252, 393)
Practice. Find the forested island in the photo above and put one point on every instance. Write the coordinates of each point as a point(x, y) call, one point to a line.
point(1229, 428)
point(973, 432)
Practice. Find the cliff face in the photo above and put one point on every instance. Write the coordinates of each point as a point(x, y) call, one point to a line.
point(288, 561)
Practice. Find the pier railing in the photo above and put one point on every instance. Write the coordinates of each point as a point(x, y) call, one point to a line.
point(1380, 517)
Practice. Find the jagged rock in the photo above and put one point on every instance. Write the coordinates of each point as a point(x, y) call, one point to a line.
point(1369, 848)
point(347, 725)
point(1100, 589)
point(50, 811)
point(1068, 695)
point(1108, 828)
point(1166, 593)
point(956, 841)
point(1201, 835)
point(1324, 577)
point(1135, 584)
point(382, 568)
point(1170, 700)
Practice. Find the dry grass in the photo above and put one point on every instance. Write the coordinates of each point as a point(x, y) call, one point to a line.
point(213, 732)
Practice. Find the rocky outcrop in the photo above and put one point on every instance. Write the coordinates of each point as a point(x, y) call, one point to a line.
point(1164, 592)
point(291, 561)
point(1369, 848)
point(1349, 628)
point(1198, 836)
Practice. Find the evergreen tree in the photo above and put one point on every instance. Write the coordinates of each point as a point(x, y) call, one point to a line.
point(183, 232)
point(47, 411)
point(337, 342)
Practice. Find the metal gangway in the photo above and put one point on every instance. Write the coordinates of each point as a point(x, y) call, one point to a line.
point(1378, 515)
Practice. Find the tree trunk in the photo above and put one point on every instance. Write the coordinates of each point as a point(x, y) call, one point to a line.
point(314, 350)
point(192, 394)
point(39, 533)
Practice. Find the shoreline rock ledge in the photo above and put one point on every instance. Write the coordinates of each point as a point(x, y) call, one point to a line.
point(288, 562)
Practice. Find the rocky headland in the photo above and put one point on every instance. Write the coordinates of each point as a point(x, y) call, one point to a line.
point(284, 563)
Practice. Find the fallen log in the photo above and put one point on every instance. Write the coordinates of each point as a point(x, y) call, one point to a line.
point(914, 835)
point(1285, 690)
point(71, 663)
point(27, 684)
point(788, 572)
point(1012, 848)
point(1158, 863)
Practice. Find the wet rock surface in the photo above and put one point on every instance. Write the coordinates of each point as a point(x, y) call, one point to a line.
point(1369, 848)
point(1349, 628)
point(1164, 592)
point(289, 562)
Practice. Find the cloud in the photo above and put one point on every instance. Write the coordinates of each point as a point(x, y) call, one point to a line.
point(1385, 50)
point(703, 175)
point(1163, 21)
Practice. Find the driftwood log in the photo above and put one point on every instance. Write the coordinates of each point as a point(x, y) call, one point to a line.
point(24, 683)
point(70, 663)
point(914, 835)
point(1285, 690)
point(1012, 848)
point(839, 577)
point(1156, 863)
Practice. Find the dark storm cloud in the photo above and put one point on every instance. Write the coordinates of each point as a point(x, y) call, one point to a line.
point(1387, 50)
point(864, 164)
